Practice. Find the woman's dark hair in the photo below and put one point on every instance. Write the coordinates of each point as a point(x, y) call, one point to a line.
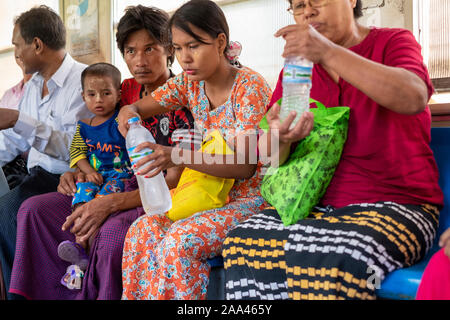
point(43, 23)
point(102, 70)
point(357, 11)
point(203, 14)
point(151, 19)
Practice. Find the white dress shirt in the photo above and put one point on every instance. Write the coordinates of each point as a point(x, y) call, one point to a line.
point(47, 125)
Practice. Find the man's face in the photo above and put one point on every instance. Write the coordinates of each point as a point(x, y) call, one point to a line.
point(25, 52)
point(145, 57)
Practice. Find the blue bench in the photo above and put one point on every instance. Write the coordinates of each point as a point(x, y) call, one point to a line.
point(401, 284)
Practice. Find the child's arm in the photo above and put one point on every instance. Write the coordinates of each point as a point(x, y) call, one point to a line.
point(91, 175)
point(78, 158)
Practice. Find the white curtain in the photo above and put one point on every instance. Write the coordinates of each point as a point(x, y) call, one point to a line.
point(439, 39)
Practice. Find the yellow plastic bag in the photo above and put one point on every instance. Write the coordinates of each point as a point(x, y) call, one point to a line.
point(197, 191)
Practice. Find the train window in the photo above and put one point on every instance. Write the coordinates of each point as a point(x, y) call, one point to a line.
point(432, 26)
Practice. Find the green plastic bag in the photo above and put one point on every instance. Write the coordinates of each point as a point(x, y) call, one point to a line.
point(298, 185)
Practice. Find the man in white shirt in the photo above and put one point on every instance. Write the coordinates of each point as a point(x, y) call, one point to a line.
point(45, 121)
point(16, 169)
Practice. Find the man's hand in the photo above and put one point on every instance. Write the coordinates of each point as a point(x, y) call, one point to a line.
point(67, 182)
point(87, 219)
point(8, 118)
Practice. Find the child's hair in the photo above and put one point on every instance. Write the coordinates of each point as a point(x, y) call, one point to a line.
point(102, 70)
point(203, 14)
point(151, 19)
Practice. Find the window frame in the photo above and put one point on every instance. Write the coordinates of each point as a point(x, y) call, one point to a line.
point(421, 31)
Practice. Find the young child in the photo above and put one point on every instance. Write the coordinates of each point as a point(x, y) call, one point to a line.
point(99, 151)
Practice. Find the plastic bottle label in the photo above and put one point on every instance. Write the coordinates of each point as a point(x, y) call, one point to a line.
point(135, 157)
point(297, 74)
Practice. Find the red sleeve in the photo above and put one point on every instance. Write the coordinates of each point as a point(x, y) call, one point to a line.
point(403, 51)
point(130, 91)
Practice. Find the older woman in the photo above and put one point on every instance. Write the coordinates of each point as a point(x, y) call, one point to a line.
point(380, 211)
point(37, 268)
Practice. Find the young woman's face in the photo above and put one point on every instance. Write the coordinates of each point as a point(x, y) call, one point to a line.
point(100, 95)
point(199, 60)
point(332, 18)
point(145, 57)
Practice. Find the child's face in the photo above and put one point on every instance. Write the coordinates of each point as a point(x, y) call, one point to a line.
point(100, 95)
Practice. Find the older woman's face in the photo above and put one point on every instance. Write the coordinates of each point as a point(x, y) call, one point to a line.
point(145, 57)
point(332, 18)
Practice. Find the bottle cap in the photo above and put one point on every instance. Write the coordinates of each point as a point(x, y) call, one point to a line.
point(133, 120)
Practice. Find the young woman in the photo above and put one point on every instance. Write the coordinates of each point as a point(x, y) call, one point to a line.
point(380, 211)
point(164, 259)
point(102, 221)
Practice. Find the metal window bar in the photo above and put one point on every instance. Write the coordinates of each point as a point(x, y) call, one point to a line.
point(439, 44)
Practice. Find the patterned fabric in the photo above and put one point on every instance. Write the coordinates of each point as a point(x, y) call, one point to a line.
point(162, 126)
point(112, 183)
point(337, 254)
point(103, 146)
point(39, 181)
point(167, 260)
point(298, 185)
point(242, 111)
point(37, 268)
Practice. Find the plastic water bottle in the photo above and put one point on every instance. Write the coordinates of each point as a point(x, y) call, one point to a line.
point(297, 76)
point(155, 194)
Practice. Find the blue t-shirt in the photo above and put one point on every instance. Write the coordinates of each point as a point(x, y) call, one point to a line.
point(103, 146)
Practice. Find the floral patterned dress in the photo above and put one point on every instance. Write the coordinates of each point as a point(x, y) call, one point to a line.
point(167, 260)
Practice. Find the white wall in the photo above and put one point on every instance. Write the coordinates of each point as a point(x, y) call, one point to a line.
point(252, 22)
point(387, 13)
point(9, 70)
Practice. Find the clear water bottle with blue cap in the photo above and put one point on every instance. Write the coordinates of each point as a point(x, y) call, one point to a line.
point(155, 194)
point(297, 75)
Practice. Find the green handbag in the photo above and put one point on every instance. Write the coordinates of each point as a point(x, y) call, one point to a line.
point(298, 185)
